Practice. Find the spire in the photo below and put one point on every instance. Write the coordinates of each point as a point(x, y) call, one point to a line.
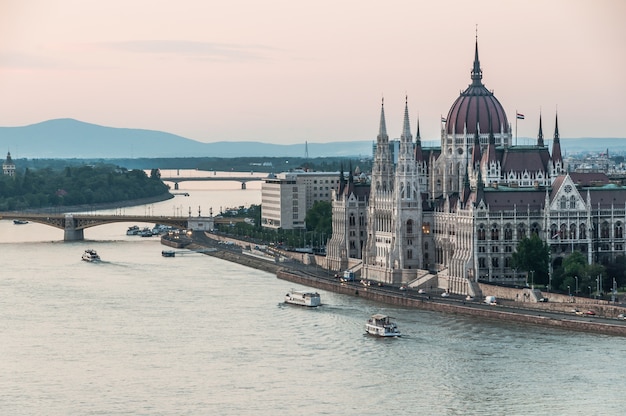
point(342, 180)
point(382, 131)
point(477, 74)
point(406, 128)
point(556, 143)
point(419, 156)
point(540, 136)
point(476, 156)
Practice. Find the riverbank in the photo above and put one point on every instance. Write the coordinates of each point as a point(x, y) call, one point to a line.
point(318, 278)
point(107, 205)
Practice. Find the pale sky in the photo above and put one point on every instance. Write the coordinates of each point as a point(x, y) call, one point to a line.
point(285, 71)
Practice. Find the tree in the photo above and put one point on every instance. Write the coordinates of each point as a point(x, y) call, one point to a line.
point(533, 254)
point(319, 218)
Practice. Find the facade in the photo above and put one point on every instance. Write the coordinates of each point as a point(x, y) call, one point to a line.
point(8, 167)
point(286, 197)
point(452, 216)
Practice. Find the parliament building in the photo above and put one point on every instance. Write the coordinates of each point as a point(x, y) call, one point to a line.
point(451, 216)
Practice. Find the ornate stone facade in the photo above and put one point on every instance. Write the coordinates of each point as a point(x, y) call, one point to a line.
point(451, 216)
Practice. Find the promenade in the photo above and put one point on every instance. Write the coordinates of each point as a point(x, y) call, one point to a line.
point(506, 310)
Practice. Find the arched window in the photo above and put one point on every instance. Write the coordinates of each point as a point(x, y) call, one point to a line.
point(409, 227)
point(618, 230)
point(572, 202)
point(495, 232)
point(604, 230)
point(508, 232)
point(563, 202)
point(495, 262)
point(535, 228)
point(554, 231)
point(521, 231)
point(583, 231)
point(481, 232)
point(572, 231)
point(352, 220)
point(563, 231)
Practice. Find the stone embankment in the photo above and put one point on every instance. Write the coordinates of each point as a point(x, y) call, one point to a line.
point(510, 311)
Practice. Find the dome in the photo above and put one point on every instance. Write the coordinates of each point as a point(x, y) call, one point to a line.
point(476, 105)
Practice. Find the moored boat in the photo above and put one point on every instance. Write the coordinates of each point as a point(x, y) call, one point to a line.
point(296, 297)
point(19, 222)
point(381, 326)
point(91, 255)
point(168, 253)
point(133, 230)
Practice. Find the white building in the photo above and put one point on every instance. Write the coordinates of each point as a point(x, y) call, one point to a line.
point(286, 197)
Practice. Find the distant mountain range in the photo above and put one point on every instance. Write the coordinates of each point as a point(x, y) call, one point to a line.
point(68, 138)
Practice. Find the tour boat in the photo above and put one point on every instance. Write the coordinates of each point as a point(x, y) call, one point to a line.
point(295, 297)
point(381, 326)
point(91, 255)
point(168, 253)
point(19, 222)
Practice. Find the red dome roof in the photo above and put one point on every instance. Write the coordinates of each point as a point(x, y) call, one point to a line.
point(476, 105)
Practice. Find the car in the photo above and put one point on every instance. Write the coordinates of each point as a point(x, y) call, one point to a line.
point(421, 291)
point(404, 287)
point(590, 312)
point(445, 295)
point(543, 300)
point(621, 316)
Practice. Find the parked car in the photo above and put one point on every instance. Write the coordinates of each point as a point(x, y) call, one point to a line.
point(590, 312)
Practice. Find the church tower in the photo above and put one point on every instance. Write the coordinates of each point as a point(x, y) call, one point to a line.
point(8, 167)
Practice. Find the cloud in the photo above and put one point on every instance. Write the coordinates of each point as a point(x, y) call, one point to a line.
point(20, 60)
point(192, 49)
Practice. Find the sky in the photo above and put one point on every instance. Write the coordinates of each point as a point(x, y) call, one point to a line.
point(288, 72)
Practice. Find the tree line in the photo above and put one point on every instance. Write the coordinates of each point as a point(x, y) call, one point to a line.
point(76, 185)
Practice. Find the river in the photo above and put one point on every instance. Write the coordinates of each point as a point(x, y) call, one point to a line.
point(142, 334)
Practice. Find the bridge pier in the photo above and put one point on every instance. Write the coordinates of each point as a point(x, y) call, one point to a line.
point(71, 232)
point(243, 185)
point(176, 186)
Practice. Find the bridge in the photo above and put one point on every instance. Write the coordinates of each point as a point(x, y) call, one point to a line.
point(242, 179)
point(74, 224)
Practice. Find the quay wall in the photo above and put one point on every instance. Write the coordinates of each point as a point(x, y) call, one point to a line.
point(493, 312)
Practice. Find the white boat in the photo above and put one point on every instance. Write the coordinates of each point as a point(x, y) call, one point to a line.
point(296, 297)
point(134, 230)
point(381, 326)
point(90, 255)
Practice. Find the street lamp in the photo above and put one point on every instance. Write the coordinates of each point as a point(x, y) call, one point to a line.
point(569, 292)
point(576, 292)
point(532, 279)
point(589, 291)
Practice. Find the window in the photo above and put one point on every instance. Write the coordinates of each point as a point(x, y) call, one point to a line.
point(583, 231)
point(409, 227)
point(618, 230)
point(572, 202)
point(508, 232)
point(572, 231)
point(481, 232)
point(409, 254)
point(481, 262)
point(563, 202)
point(495, 262)
point(521, 231)
point(495, 232)
point(534, 229)
point(604, 230)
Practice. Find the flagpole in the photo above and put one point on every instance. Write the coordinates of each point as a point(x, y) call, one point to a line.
point(515, 127)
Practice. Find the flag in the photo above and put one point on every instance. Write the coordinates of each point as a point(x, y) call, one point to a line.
point(443, 120)
point(520, 116)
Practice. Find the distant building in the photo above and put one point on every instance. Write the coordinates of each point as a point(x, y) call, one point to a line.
point(286, 197)
point(8, 167)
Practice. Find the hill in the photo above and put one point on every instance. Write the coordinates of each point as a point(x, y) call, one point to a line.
point(68, 138)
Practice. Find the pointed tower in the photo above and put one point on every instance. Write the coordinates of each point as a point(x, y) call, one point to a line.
point(540, 135)
point(382, 209)
point(558, 167)
point(405, 253)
